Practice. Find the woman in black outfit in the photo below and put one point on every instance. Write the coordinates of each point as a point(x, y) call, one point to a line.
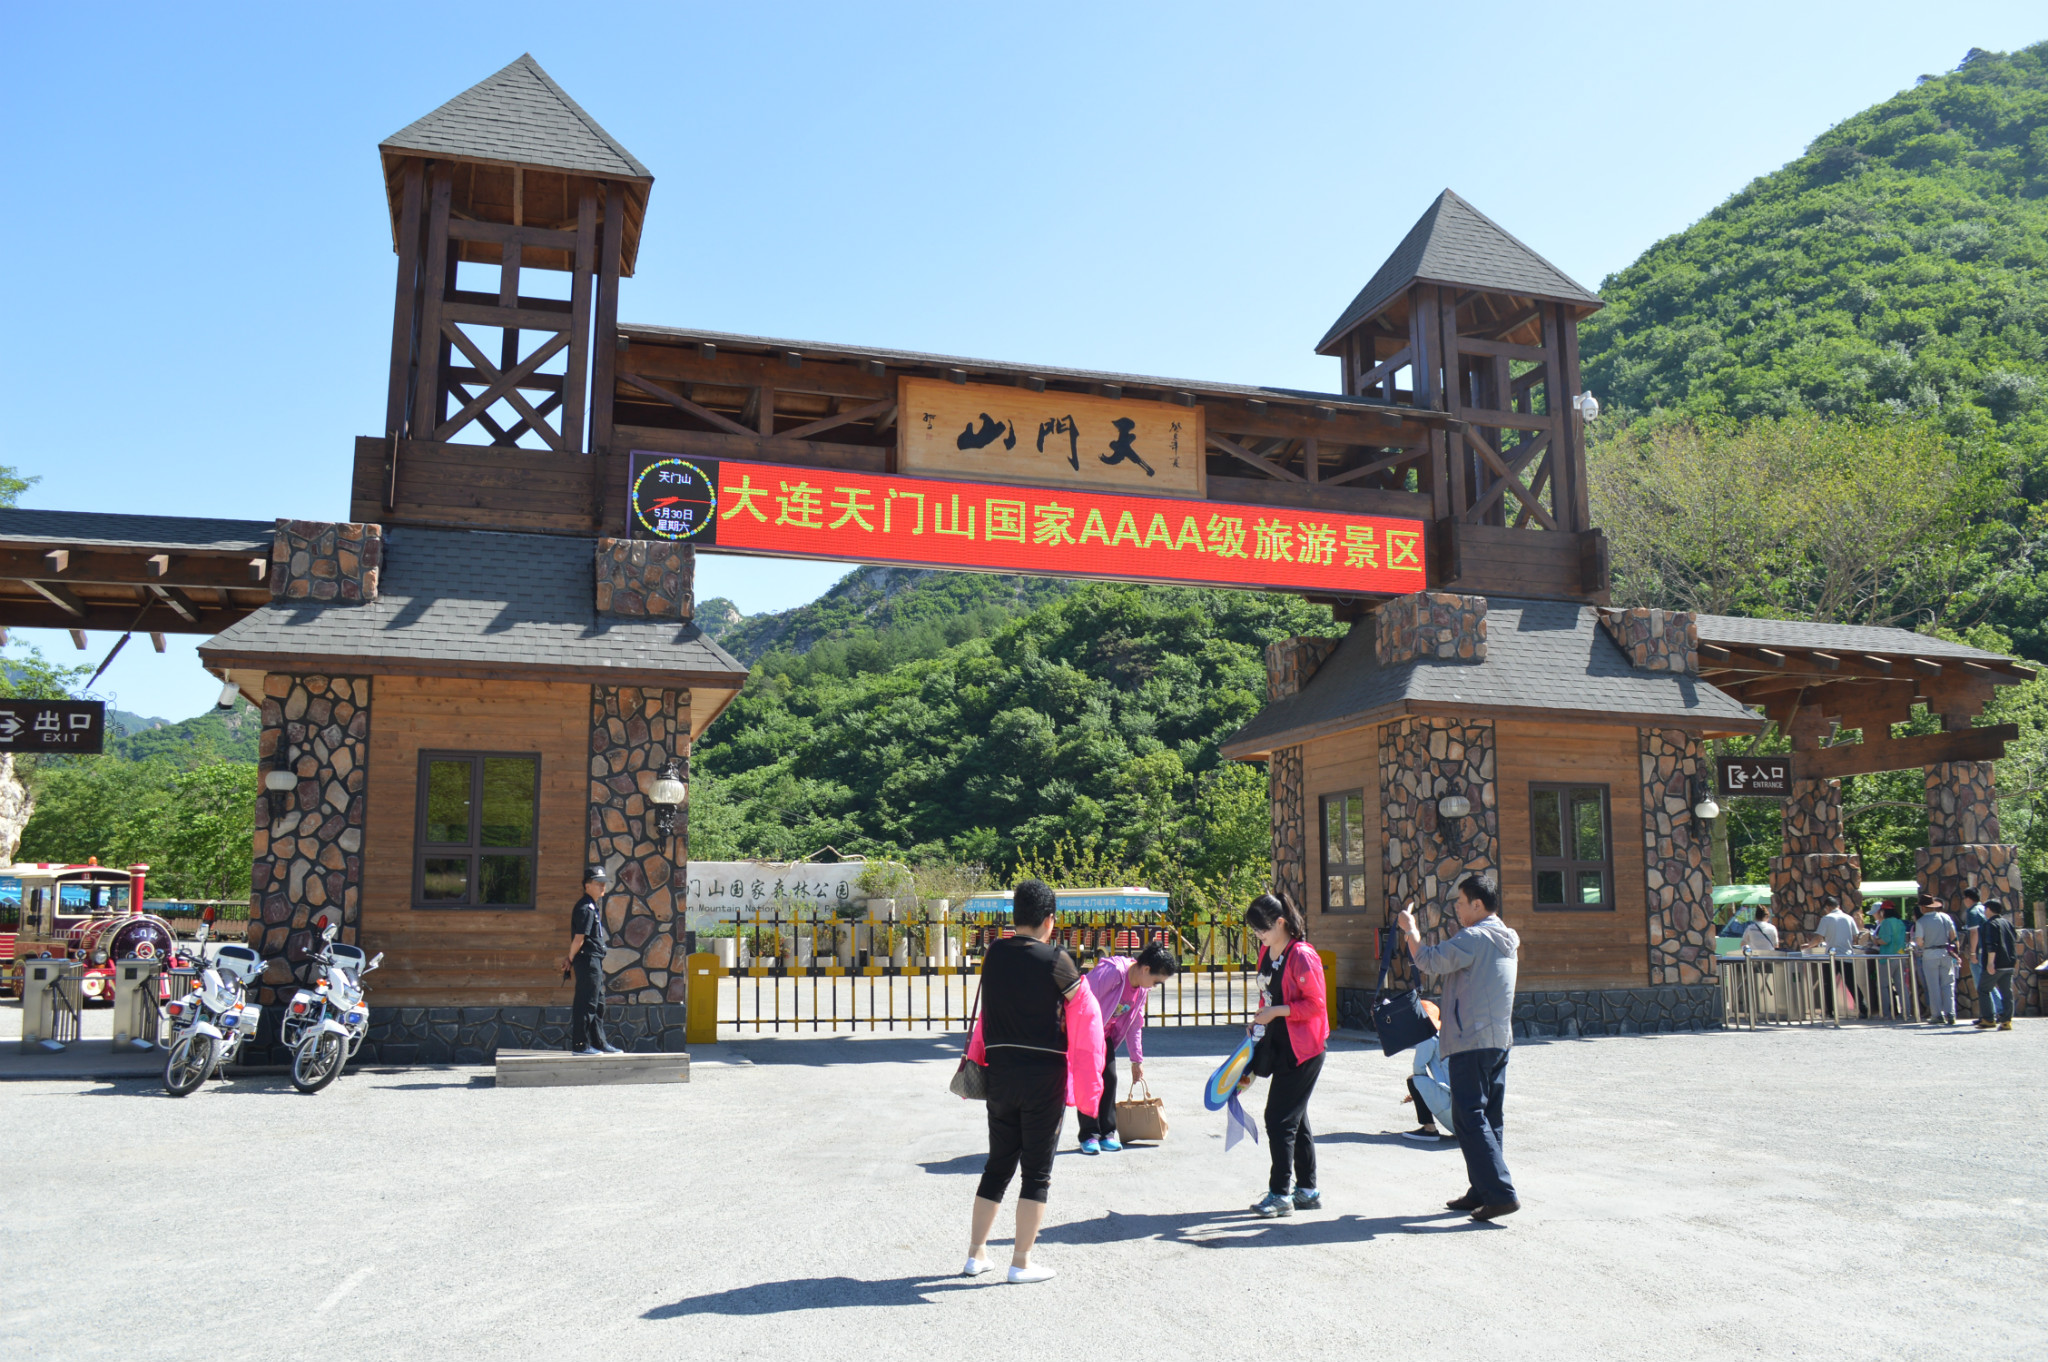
point(1294, 1009)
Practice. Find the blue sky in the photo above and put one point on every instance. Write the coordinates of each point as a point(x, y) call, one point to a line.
point(201, 267)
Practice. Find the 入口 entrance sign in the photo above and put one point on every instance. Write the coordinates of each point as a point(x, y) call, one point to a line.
point(1001, 434)
point(881, 518)
point(1767, 776)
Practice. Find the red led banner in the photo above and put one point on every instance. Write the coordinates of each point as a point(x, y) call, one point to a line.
point(930, 522)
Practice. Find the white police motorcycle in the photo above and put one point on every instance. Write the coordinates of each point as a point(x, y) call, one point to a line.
point(209, 1024)
point(324, 1025)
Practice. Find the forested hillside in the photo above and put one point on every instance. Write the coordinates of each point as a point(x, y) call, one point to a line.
point(917, 611)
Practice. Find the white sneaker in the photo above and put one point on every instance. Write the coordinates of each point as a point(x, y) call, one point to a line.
point(590, 1050)
point(975, 1267)
point(612, 1049)
point(1029, 1274)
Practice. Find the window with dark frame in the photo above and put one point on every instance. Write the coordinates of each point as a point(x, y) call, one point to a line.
point(475, 843)
point(1344, 868)
point(1571, 848)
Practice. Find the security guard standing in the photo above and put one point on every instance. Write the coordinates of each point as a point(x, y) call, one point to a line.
point(587, 942)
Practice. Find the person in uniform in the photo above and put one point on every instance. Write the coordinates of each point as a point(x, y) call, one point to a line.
point(585, 961)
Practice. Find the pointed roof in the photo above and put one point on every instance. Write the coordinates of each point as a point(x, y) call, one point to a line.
point(1455, 243)
point(519, 117)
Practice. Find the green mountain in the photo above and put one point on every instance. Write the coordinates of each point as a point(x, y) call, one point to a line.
point(217, 735)
point(881, 615)
point(1093, 718)
point(1900, 265)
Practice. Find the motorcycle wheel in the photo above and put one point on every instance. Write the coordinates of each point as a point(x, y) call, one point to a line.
point(190, 1062)
point(317, 1062)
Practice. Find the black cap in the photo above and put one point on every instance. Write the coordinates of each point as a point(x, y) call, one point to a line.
point(595, 874)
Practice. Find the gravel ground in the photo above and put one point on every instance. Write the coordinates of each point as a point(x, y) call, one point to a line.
point(1871, 1192)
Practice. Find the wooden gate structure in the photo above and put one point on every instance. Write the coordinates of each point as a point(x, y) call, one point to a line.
point(483, 676)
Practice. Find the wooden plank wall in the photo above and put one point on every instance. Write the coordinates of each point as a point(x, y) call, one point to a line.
point(1345, 762)
point(472, 957)
point(1574, 950)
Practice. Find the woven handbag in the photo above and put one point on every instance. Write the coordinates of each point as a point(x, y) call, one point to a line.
point(970, 1080)
point(1399, 1020)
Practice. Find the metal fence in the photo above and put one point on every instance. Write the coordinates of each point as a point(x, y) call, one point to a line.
point(1818, 990)
point(824, 975)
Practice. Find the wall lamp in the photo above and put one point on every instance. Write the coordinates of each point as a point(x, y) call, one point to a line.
point(1704, 806)
point(667, 794)
point(1453, 808)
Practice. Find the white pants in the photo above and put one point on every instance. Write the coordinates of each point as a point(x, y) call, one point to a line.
point(1938, 968)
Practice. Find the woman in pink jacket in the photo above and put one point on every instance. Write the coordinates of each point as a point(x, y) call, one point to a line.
point(1294, 1009)
point(1039, 1031)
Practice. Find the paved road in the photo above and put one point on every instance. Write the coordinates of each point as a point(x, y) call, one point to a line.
point(1864, 1193)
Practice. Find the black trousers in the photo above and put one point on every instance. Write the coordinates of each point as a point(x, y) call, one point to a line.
point(1025, 1109)
point(586, 1013)
point(1103, 1122)
point(1287, 1132)
point(1479, 1092)
point(1424, 1116)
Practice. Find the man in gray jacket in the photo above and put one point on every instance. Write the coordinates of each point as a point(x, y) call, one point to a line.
point(1478, 1004)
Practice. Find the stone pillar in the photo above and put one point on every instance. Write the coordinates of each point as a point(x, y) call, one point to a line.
point(1963, 849)
point(321, 561)
point(646, 579)
point(1290, 662)
point(634, 733)
point(1422, 760)
point(309, 839)
point(1656, 640)
point(1816, 862)
point(1680, 889)
point(1430, 624)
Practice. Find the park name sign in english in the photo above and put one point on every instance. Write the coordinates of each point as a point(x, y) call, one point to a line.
point(774, 509)
point(77, 726)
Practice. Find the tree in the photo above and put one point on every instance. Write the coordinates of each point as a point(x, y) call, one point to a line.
point(24, 675)
point(203, 836)
point(12, 485)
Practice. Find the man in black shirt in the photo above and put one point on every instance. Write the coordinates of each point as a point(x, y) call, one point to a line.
point(585, 960)
point(1025, 983)
point(1997, 952)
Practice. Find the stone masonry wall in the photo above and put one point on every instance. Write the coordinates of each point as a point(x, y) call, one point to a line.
point(1676, 859)
point(634, 733)
point(1290, 824)
point(1816, 862)
point(645, 578)
point(474, 1035)
point(1656, 640)
point(317, 560)
point(1962, 803)
point(1422, 760)
point(1434, 624)
point(309, 839)
point(1290, 662)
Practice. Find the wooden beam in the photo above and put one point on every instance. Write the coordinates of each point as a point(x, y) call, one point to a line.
point(805, 432)
point(1472, 345)
point(503, 383)
point(1925, 667)
point(1376, 466)
point(158, 564)
point(684, 404)
point(435, 276)
point(57, 594)
point(1239, 452)
point(58, 561)
point(1507, 480)
point(78, 639)
point(156, 641)
point(575, 392)
point(1899, 754)
point(114, 617)
point(604, 345)
point(181, 604)
point(217, 571)
point(405, 309)
point(1385, 369)
point(259, 568)
point(512, 395)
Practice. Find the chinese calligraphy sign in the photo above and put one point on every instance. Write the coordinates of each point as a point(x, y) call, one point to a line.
point(53, 726)
point(1054, 531)
point(988, 431)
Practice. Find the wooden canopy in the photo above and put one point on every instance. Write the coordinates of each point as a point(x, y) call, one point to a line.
point(81, 570)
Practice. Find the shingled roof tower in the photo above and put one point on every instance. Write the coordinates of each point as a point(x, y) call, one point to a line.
point(513, 173)
point(1464, 319)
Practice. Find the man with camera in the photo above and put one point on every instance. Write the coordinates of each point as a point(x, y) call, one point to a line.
point(1478, 968)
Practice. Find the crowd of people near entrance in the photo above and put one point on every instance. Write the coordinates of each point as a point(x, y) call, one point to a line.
point(1046, 1036)
point(1980, 931)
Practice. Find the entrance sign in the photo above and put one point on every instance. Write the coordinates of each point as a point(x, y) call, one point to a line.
point(1766, 776)
point(1003, 434)
point(53, 726)
point(880, 518)
point(672, 499)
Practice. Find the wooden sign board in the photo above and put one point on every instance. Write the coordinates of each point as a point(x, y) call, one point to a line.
point(987, 432)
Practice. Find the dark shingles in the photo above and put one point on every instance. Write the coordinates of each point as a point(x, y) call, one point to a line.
point(1540, 655)
point(114, 530)
point(1455, 243)
point(1848, 638)
point(470, 596)
point(519, 115)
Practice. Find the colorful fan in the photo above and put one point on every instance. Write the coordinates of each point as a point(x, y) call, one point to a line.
point(1223, 1083)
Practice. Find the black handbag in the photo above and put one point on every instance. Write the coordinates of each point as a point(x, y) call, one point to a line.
point(1399, 1020)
